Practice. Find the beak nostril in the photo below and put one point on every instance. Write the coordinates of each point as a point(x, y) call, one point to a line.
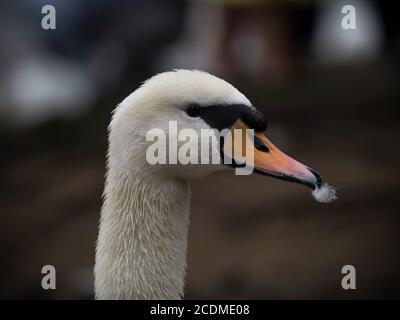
point(260, 146)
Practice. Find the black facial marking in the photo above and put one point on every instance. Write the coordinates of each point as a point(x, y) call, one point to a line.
point(193, 111)
point(223, 116)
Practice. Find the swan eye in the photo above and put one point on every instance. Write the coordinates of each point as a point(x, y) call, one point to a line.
point(260, 146)
point(193, 111)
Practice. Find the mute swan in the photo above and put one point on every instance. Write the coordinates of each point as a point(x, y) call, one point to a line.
point(142, 241)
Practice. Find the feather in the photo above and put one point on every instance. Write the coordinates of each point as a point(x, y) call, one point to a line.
point(324, 194)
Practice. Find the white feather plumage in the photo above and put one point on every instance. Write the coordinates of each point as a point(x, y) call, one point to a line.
point(141, 247)
point(142, 242)
point(324, 194)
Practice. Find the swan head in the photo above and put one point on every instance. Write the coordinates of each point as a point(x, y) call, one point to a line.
point(194, 101)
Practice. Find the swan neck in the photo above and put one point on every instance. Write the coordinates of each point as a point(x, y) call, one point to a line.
point(142, 243)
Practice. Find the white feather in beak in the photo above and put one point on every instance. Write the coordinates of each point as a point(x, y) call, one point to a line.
point(324, 194)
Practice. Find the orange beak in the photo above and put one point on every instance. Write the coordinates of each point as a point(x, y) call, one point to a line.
point(260, 153)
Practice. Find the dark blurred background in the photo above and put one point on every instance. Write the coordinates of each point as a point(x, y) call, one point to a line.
point(330, 96)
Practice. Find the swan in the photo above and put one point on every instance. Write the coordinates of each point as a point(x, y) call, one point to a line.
point(142, 238)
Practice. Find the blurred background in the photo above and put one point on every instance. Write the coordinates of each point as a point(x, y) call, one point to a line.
point(330, 96)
